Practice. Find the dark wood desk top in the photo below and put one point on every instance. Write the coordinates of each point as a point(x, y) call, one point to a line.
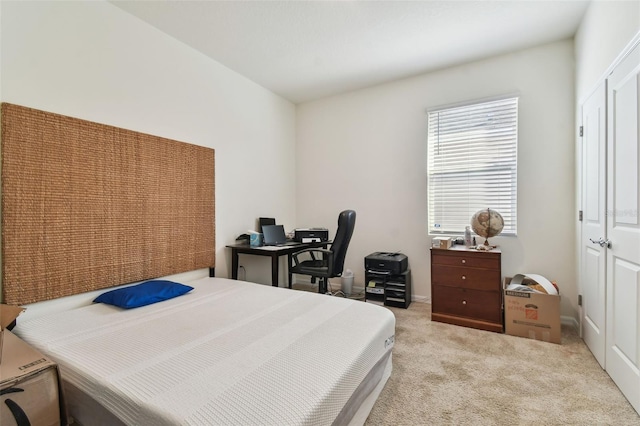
point(267, 250)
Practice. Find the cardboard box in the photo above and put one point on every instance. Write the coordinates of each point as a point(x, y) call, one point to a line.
point(35, 379)
point(8, 315)
point(532, 315)
point(441, 242)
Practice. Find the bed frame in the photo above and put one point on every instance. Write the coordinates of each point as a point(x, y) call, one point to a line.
point(87, 206)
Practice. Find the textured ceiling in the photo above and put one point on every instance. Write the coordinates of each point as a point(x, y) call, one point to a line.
point(305, 50)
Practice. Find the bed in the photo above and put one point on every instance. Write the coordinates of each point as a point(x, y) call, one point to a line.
point(228, 352)
point(87, 207)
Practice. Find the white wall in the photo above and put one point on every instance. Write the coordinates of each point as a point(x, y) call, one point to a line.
point(605, 30)
point(366, 150)
point(92, 60)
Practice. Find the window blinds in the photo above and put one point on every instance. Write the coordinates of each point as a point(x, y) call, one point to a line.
point(472, 164)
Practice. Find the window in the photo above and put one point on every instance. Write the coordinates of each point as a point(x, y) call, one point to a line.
point(472, 164)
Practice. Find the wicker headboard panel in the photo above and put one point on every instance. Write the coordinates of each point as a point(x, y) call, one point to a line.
point(87, 206)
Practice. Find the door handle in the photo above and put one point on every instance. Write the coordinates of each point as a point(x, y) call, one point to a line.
point(602, 242)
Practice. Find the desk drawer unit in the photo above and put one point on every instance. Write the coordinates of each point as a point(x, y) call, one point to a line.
point(466, 287)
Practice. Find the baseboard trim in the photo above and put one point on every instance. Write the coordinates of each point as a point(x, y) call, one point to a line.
point(564, 319)
point(570, 321)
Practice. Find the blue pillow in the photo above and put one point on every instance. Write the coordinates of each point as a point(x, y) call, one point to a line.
point(143, 294)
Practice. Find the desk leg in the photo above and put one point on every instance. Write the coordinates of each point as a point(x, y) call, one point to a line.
point(274, 269)
point(289, 274)
point(234, 264)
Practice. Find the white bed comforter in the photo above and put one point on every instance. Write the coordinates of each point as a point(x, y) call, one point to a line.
point(229, 352)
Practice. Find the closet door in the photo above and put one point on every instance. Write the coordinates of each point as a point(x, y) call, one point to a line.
point(593, 256)
point(623, 228)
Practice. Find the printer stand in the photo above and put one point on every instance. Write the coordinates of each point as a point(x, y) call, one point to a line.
point(387, 289)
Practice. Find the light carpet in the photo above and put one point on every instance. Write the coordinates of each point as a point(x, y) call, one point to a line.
point(449, 375)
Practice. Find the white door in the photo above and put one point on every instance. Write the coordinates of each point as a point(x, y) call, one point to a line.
point(623, 229)
point(594, 227)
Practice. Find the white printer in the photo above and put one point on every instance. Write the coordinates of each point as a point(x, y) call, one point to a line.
point(311, 235)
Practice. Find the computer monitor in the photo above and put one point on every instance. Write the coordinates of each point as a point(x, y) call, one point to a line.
point(266, 221)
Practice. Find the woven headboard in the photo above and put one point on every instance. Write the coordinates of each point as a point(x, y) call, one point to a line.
point(87, 206)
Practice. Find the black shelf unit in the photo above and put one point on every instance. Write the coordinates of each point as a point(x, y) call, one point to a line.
point(388, 289)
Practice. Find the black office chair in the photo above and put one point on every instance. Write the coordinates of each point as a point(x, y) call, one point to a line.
point(327, 263)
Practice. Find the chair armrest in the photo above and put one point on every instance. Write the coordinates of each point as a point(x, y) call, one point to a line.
point(312, 252)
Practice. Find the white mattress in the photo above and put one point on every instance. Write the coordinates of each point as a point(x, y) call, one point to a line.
point(229, 352)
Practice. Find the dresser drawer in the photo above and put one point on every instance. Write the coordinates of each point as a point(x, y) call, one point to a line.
point(470, 278)
point(481, 305)
point(473, 260)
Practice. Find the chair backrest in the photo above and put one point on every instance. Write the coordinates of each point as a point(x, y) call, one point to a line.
point(346, 224)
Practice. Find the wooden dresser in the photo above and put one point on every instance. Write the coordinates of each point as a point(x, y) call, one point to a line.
point(466, 287)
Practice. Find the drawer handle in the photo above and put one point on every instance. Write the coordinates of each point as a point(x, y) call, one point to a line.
point(464, 302)
point(464, 277)
point(463, 261)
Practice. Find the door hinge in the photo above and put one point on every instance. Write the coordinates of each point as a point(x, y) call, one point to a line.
point(581, 131)
point(580, 215)
point(579, 300)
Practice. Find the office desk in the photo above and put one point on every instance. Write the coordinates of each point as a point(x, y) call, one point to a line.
point(272, 251)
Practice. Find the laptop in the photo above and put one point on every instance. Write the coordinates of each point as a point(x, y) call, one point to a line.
point(274, 236)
